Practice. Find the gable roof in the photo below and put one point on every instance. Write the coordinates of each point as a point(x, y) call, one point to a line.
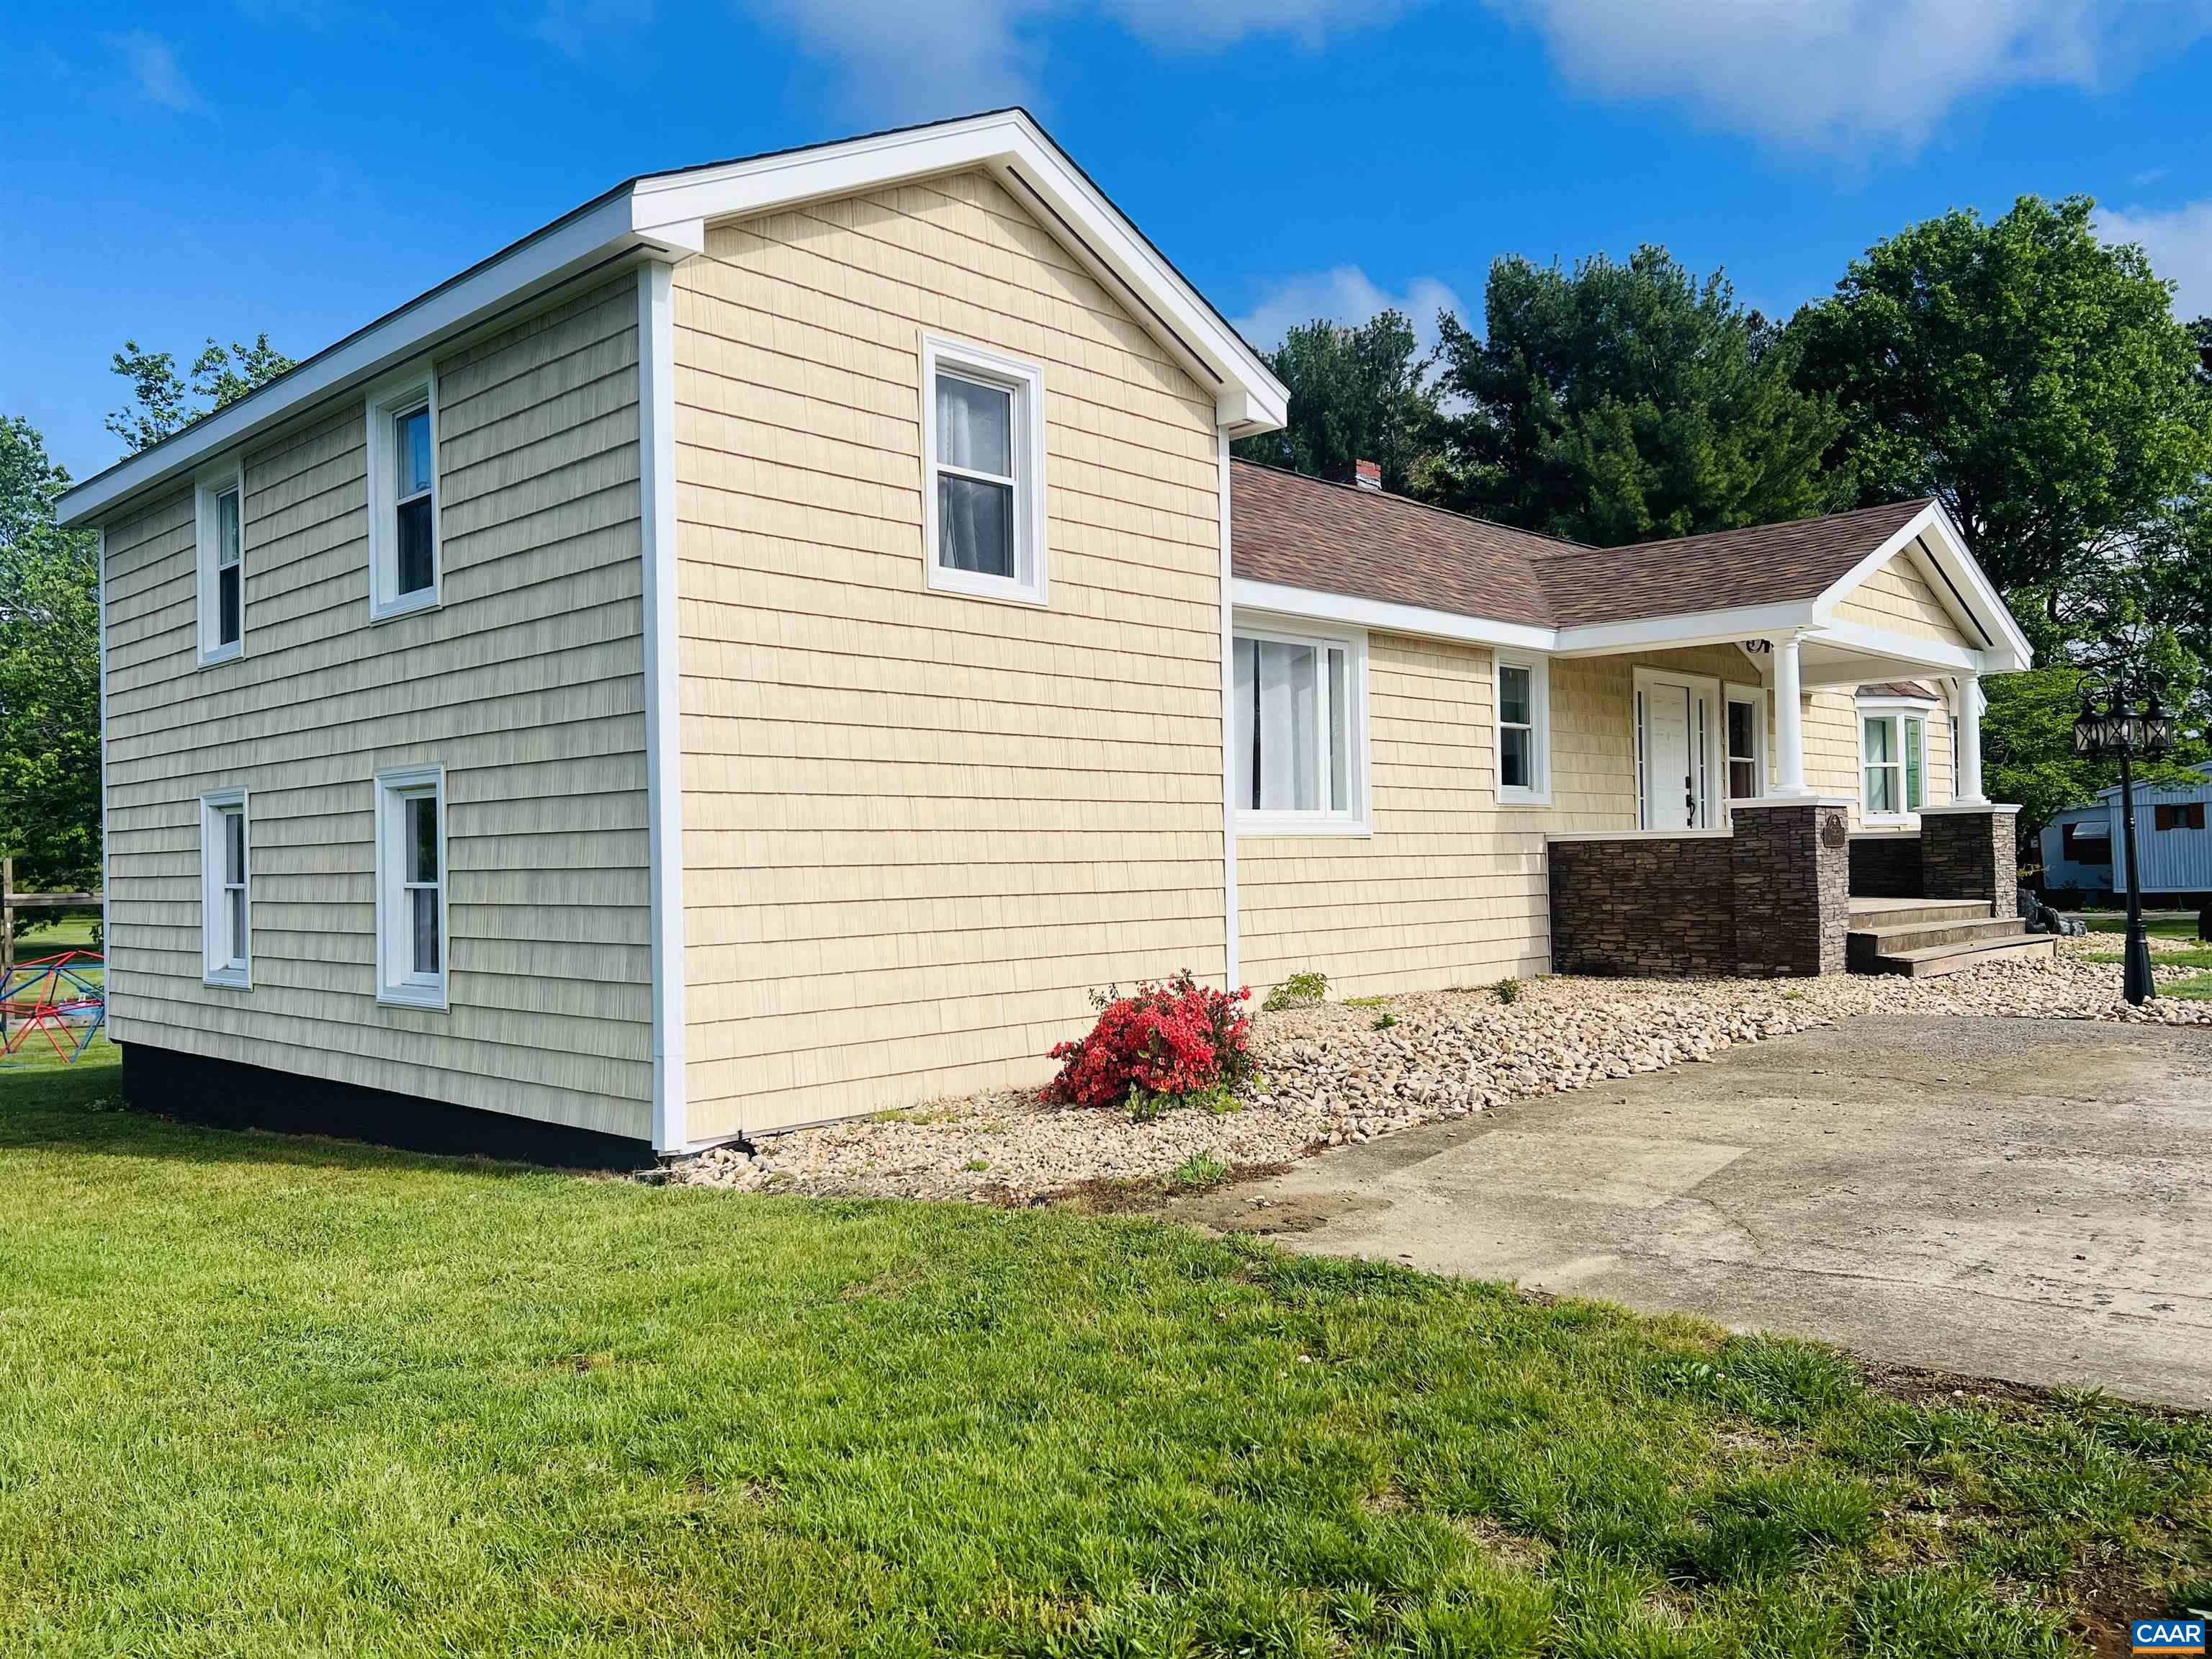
point(662, 215)
point(1289, 534)
point(1798, 559)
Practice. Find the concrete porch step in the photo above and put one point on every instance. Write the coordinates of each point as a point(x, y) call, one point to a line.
point(1872, 914)
point(1933, 960)
point(1895, 939)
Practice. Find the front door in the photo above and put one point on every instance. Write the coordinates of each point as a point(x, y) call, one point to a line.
point(1670, 753)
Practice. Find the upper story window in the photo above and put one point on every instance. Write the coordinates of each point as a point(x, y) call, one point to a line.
point(983, 465)
point(403, 496)
point(1297, 738)
point(225, 929)
point(2179, 814)
point(1524, 698)
point(410, 887)
point(220, 540)
point(1893, 760)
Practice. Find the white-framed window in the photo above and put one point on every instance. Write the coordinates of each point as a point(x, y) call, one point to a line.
point(1521, 694)
point(410, 887)
point(982, 487)
point(1893, 761)
point(1298, 731)
point(220, 519)
point(404, 565)
point(1745, 738)
point(226, 898)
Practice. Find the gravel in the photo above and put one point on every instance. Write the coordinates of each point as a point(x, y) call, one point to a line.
point(1327, 1077)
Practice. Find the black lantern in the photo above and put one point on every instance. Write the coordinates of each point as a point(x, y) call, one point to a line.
point(2127, 733)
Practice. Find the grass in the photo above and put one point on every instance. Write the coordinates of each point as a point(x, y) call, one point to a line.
point(2168, 927)
point(2195, 990)
point(262, 1397)
point(2162, 958)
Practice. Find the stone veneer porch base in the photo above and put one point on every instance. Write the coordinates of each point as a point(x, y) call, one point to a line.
point(1768, 898)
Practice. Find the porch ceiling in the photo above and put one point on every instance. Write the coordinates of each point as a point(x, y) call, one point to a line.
point(1825, 664)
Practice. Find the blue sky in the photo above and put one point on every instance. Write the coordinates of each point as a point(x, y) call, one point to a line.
point(300, 166)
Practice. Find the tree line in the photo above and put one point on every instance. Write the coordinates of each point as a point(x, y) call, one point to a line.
point(2030, 377)
point(50, 612)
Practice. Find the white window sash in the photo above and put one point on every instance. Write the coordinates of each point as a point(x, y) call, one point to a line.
point(213, 484)
point(1337, 736)
point(1023, 382)
point(397, 398)
point(398, 983)
point(1537, 792)
point(225, 933)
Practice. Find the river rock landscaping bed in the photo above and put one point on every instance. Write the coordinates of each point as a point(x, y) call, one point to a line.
point(1328, 1076)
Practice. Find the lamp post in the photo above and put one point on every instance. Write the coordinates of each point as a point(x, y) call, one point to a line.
point(2126, 732)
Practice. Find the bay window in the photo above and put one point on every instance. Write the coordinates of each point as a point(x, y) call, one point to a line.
point(1893, 762)
point(1297, 747)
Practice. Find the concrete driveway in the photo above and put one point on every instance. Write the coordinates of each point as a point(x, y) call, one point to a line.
point(2022, 1198)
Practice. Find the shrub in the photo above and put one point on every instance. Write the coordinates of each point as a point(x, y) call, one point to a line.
point(1298, 991)
point(1383, 1021)
point(1161, 1046)
point(1509, 991)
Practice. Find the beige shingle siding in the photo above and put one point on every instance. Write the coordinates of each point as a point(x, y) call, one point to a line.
point(1897, 597)
point(919, 827)
point(1451, 888)
point(525, 684)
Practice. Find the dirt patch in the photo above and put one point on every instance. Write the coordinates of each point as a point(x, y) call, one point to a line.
point(1274, 1214)
point(1154, 1195)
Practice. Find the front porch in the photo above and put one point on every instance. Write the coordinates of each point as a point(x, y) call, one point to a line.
point(1773, 893)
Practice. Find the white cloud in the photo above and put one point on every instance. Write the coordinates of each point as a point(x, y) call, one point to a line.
point(912, 60)
point(1845, 74)
point(2179, 243)
point(1345, 294)
point(153, 65)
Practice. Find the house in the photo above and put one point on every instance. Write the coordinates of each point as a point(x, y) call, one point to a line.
point(762, 647)
point(2085, 847)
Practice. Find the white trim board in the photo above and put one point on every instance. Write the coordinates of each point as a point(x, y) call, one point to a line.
point(1728, 627)
point(663, 744)
point(664, 215)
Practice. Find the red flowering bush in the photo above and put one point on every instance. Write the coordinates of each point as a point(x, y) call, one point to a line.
point(1161, 1045)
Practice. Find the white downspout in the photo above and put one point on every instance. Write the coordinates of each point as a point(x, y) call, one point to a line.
point(106, 882)
point(1232, 959)
point(664, 729)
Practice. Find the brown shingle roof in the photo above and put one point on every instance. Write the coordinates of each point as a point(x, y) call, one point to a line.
point(1339, 538)
point(1767, 564)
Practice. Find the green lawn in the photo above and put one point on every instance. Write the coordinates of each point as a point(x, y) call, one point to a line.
point(2165, 927)
point(2161, 959)
point(263, 1396)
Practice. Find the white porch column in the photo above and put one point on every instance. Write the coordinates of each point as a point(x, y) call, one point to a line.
point(1968, 760)
point(1788, 717)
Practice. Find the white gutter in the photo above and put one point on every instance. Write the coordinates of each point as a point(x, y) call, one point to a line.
point(600, 235)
